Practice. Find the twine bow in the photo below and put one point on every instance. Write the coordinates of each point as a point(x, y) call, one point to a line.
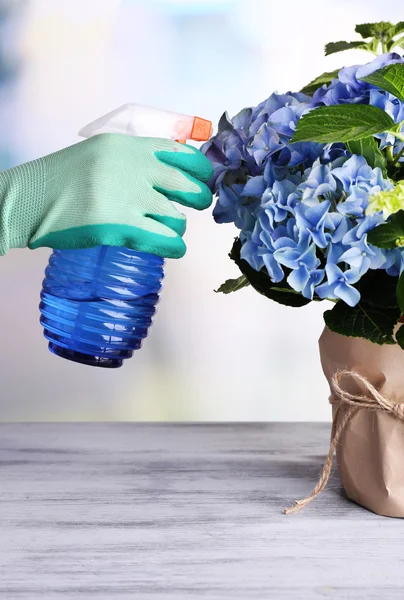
point(373, 400)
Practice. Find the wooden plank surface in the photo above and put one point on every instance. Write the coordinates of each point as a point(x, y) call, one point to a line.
point(110, 511)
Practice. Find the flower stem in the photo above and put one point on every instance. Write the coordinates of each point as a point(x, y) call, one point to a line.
point(398, 43)
point(398, 156)
point(390, 156)
point(373, 46)
point(399, 136)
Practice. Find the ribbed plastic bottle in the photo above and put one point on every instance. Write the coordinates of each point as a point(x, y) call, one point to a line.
point(97, 304)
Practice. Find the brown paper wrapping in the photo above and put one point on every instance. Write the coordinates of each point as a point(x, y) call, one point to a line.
point(370, 455)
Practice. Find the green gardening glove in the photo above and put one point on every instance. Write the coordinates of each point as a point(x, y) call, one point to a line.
point(111, 189)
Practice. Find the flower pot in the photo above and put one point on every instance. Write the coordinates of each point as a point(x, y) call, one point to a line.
point(370, 452)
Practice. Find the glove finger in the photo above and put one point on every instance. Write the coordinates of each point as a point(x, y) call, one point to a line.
point(188, 159)
point(182, 187)
point(160, 209)
point(158, 238)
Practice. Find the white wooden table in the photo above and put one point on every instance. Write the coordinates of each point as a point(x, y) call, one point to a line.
point(184, 511)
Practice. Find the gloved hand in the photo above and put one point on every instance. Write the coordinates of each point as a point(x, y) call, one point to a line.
point(111, 189)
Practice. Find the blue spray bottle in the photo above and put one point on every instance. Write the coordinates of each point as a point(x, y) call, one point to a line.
point(97, 304)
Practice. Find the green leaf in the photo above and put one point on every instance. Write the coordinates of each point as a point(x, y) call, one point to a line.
point(400, 293)
point(233, 285)
point(378, 289)
point(390, 78)
point(368, 147)
point(397, 127)
point(311, 87)
point(334, 47)
point(342, 123)
point(397, 43)
point(261, 282)
point(381, 30)
point(400, 336)
point(363, 321)
point(365, 30)
point(390, 234)
point(397, 29)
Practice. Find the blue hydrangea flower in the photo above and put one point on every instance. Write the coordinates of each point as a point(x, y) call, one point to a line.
point(294, 254)
point(301, 258)
point(258, 249)
point(357, 252)
point(394, 264)
point(264, 144)
point(278, 201)
point(311, 221)
point(300, 153)
point(231, 209)
point(319, 183)
point(241, 122)
point(363, 257)
point(348, 87)
point(255, 187)
point(361, 228)
point(284, 120)
point(274, 103)
point(358, 181)
point(300, 207)
point(393, 107)
point(334, 251)
point(337, 226)
point(304, 280)
point(339, 285)
point(224, 152)
point(274, 173)
point(252, 247)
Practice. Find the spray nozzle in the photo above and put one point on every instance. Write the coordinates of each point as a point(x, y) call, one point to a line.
point(137, 120)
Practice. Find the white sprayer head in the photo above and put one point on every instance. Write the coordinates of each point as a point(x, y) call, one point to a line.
point(137, 120)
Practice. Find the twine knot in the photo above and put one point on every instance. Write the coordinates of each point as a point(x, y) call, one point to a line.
point(373, 400)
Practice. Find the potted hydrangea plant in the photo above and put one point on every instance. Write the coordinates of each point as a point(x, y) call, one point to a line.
point(314, 181)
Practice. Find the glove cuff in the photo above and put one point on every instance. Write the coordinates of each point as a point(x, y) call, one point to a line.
point(21, 204)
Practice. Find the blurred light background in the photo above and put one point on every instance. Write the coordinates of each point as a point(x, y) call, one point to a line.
point(208, 357)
